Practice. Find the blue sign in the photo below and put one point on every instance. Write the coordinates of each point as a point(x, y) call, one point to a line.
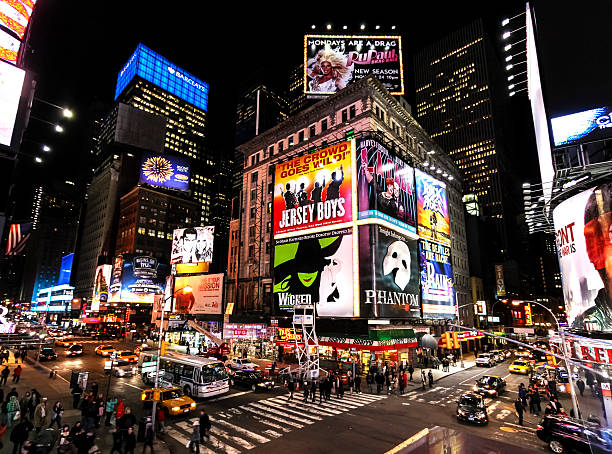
point(156, 69)
point(437, 286)
point(137, 279)
point(65, 270)
point(164, 171)
point(590, 125)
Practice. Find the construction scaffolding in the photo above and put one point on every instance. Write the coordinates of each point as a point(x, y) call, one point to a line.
point(304, 317)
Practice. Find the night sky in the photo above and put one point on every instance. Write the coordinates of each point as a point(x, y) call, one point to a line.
point(77, 49)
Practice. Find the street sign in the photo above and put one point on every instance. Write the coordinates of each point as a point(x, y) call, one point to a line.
point(302, 319)
point(148, 369)
point(149, 364)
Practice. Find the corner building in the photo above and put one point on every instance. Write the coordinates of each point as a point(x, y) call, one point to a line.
point(363, 110)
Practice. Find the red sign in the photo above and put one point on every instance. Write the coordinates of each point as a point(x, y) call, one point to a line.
point(240, 332)
point(288, 335)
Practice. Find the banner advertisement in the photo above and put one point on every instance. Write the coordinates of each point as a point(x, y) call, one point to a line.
point(9, 47)
point(315, 190)
point(192, 245)
point(581, 127)
point(332, 62)
point(164, 171)
point(583, 227)
point(245, 331)
point(500, 285)
point(137, 279)
point(11, 83)
point(206, 295)
point(385, 186)
point(437, 287)
point(315, 269)
point(389, 274)
point(432, 208)
point(101, 286)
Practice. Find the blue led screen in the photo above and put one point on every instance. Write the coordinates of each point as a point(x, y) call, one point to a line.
point(65, 270)
point(580, 127)
point(158, 70)
point(164, 171)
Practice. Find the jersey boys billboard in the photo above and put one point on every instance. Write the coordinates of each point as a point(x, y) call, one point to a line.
point(385, 186)
point(432, 208)
point(437, 287)
point(315, 190)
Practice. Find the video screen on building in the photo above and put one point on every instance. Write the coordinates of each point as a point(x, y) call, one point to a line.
point(16, 14)
point(11, 84)
point(432, 208)
point(137, 279)
point(9, 47)
point(389, 274)
point(65, 269)
point(437, 285)
point(164, 171)
point(332, 62)
point(206, 296)
point(192, 245)
point(101, 286)
point(385, 186)
point(314, 191)
point(583, 226)
point(315, 269)
point(581, 127)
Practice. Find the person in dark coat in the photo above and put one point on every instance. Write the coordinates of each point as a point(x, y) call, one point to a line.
point(410, 371)
point(291, 388)
point(358, 383)
point(580, 385)
point(149, 435)
point(306, 390)
point(130, 442)
point(204, 425)
point(431, 379)
point(20, 434)
point(590, 381)
point(313, 390)
point(518, 405)
point(117, 442)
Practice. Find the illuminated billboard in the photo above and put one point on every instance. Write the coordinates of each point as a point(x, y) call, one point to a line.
point(315, 269)
point(164, 171)
point(65, 269)
point(432, 208)
point(314, 190)
point(11, 83)
point(15, 15)
point(583, 224)
point(156, 69)
point(385, 186)
point(389, 274)
point(101, 286)
point(437, 287)
point(137, 279)
point(580, 127)
point(206, 296)
point(192, 245)
point(9, 47)
point(332, 62)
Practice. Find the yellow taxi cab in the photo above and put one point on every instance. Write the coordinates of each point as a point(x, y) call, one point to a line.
point(519, 366)
point(172, 400)
point(65, 341)
point(142, 348)
point(127, 355)
point(104, 350)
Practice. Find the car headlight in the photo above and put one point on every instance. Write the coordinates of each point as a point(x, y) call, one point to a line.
point(461, 412)
point(481, 415)
point(261, 384)
point(175, 408)
point(475, 388)
point(193, 404)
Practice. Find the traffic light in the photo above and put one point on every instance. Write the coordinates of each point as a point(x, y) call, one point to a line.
point(448, 339)
point(164, 348)
point(456, 340)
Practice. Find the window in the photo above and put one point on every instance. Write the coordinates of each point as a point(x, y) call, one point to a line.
point(324, 125)
point(280, 147)
point(252, 232)
point(251, 251)
point(253, 212)
point(290, 141)
point(160, 234)
point(254, 177)
point(301, 136)
point(344, 115)
point(151, 232)
point(270, 150)
point(352, 112)
point(268, 247)
point(253, 195)
point(141, 231)
point(270, 188)
point(312, 132)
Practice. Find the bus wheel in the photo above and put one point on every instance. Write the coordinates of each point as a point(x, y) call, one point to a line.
point(187, 391)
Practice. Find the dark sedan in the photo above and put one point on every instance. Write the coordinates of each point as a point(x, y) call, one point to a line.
point(471, 408)
point(251, 379)
point(74, 350)
point(47, 354)
point(490, 385)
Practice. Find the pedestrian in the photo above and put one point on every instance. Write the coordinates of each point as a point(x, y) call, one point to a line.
point(110, 408)
point(94, 388)
point(117, 442)
point(340, 387)
point(12, 410)
point(204, 425)
point(522, 393)
point(380, 379)
point(423, 379)
point(161, 419)
point(41, 415)
point(4, 375)
point(273, 368)
point(126, 421)
point(149, 436)
point(23, 404)
point(194, 445)
point(20, 434)
point(580, 385)
point(431, 378)
point(410, 371)
point(536, 402)
point(306, 390)
point(590, 381)
point(56, 414)
point(402, 384)
point(119, 409)
point(531, 402)
point(388, 383)
point(17, 373)
point(76, 396)
point(291, 387)
point(370, 382)
point(518, 405)
point(313, 390)
point(358, 383)
point(129, 441)
point(99, 406)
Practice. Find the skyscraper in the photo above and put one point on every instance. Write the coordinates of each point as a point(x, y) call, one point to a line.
point(259, 109)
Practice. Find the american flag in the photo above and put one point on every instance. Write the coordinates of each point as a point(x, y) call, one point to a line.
point(18, 236)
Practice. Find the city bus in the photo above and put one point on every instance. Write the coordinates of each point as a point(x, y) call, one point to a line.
point(196, 376)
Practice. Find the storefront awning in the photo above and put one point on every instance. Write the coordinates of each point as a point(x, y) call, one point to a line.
point(207, 333)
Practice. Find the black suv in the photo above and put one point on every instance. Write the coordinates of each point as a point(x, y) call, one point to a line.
point(565, 434)
point(47, 354)
point(490, 385)
point(251, 379)
point(471, 408)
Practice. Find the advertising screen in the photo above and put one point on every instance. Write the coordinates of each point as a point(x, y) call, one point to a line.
point(583, 226)
point(315, 269)
point(156, 69)
point(137, 279)
point(332, 62)
point(15, 15)
point(385, 186)
point(192, 245)
point(206, 296)
point(432, 208)
point(315, 190)
point(164, 171)
point(11, 83)
point(586, 126)
point(389, 274)
point(65, 269)
point(9, 47)
point(101, 286)
point(437, 287)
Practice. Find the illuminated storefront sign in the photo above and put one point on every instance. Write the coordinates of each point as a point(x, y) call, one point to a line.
point(245, 331)
point(437, 286)
point(11, 83)
point(289, 335)
point(368, 344)
point(470, 335)
point(528, 315)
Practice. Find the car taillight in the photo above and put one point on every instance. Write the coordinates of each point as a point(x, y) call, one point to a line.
point(143, 396)
point(540, 427)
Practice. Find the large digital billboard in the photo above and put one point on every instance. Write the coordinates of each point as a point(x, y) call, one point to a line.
point(332, 62)
point(580, 127)
point(432, 208)
point(314, 190)
point(9, 47)
point(437, 286)
point(11, 83)
point(315, 269)
point(192, 245)
point(137, 279)
point(389, 274)
point(583, 230)
point(15, 15)
point(101, 286)
point(385, 186)
point(156, 69)
point(65, 269)
point(206, 296)
point(164, 171)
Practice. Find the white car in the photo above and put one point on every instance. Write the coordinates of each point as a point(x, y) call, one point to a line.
point(498, 355)
point(241, 363)
point(485, 359)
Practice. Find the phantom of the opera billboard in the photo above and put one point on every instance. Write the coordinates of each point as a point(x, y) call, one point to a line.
point(315, 190)
point(437, 287)
point(137, 279)
point(385, 186)
point(315, 269)
point(583, 230)
point(432, 208)
point(389, 273)
point(333, 62)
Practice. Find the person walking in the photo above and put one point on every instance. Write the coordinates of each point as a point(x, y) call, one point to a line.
point(410, 371)
point(117, 442)
point(590, 381)
point(388, 383)
point(423, 379)
point(99, 407)
point(205, 425)
point(358, 383)
point(110, 408)
point(431, 378)
point(370, 382)
point(41, 415)
point(194, 445)
point(56, 414)
point(518, 405)
point(581, 386)
point(290, 387)
point(402, 384)
point(306, 390)
point(537, 402)
point(20, 434)
point(17, 373)
point(129, 442)
point(313, 390)
point(4, 375)
point(149, 436)
point(161, 419)
point(522, 393)
point(12, 411)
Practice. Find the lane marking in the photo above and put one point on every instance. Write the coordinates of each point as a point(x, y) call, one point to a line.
point(312, 408)
point(273, 417)
point(271, 424)
point(227, 396)
point(270, 408)
point(241, 430)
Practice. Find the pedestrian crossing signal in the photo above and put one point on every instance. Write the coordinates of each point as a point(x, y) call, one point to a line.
point(164, 348)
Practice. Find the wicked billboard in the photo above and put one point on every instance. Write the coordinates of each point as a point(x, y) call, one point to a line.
point(385, 186)
point(389, 274)
point(315, 190)
point(315, 269)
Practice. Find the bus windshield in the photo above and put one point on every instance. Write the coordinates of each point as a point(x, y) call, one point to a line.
point(213, 372)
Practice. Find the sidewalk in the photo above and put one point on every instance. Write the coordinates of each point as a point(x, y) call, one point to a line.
point(468, 362)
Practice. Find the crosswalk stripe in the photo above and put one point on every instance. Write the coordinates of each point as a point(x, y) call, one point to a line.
point(271, 424)
point(220, 445)
point(178, 436)
point(319, 410)
point(369, 397)
point(287, 412)
point(243, 431)
point(215, 430)
point(272, 433)
point(302, 411)
point(338, 404)
point(358, 401)
point(278, 412)
point(272, 417)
